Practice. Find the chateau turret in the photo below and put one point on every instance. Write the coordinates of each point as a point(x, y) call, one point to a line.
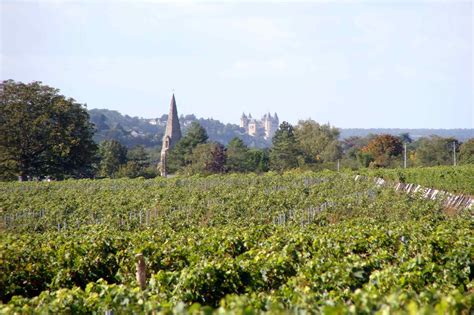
point(244, 121)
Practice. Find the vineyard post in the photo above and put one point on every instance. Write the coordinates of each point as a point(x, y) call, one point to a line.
point(454, 153)
point(405, 155)
point(141, 271)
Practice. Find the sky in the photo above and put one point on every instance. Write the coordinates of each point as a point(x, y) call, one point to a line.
point(354, 64)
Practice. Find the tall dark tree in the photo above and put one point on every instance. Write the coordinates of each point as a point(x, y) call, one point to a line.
point(405, 137)
point(383, 149)
point(43, 133)
point(237, 156)
point(466, 152)
point(207, 158)
point(284, 153)
point(317, 143)
point(180, 155)
point(138, 155)
point(351, 149)
point(259, 160)
point(218, 159)
point(138, 164)
point(195, 135)
point(112, 156)
point(435, 151)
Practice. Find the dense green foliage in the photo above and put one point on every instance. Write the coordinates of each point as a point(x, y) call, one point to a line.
point(317, 143)
point(315, 242)
point(112, 155)
point(43, 133)
point(180, 155)
point(383, 149)
point(238, 156)
point(193, 154)
point(207, 158)
point(435, 151)
point(284, 153)
point(117, 161)
point(466, 152)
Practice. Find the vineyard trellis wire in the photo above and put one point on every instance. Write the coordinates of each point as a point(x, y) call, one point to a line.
point(303, 212)
point(449, 200)
point(39, 219)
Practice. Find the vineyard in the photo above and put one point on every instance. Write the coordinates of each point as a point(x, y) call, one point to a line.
point(301, 242)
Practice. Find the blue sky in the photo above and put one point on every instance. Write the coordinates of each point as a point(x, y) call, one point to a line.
point(354, 64)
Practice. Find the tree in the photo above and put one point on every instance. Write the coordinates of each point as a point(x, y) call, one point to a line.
point(435, 151)
point(352, 155)
point(332, 152)
point(138, 155)
point(195, 135)
point(138, 164)
point(405, 138)
point(112, 156)
point(258, 160)
point(237, 156)
point(180, 155)
point(218, 159)
point(43, 133)
point(317, 143)
point(466, 152)
point(364, 158)
point(383, 149)
point(284, 153)
point(207, 158)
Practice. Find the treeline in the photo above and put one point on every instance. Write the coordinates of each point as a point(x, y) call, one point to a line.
point(462, 134)
point(312, 146)
point(45, 134)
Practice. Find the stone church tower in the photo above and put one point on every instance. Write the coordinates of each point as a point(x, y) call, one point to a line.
point(171, 137)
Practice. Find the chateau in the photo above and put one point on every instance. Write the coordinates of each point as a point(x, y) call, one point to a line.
point(265, 126)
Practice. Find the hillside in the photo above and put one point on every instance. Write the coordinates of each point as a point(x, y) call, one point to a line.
point(132, 131)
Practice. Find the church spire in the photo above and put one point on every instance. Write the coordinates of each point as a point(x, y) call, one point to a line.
point(171, 136)
point(173, 130)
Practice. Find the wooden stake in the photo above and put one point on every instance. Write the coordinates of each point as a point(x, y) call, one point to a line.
point(141, 271)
